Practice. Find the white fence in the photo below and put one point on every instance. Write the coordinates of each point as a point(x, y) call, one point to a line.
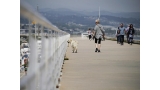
point(43, 72)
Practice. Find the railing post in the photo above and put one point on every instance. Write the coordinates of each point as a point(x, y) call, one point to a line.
point(49, 61)
point(43, 62)
point(54, 61)
point(32, 85)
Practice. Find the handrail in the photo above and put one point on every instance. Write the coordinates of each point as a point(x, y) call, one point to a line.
point(28, 12)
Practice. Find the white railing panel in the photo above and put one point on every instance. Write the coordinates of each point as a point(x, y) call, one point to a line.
point(46, 54)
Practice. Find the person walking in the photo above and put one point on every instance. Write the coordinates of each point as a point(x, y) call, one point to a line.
point(99, 33)
point(25, 65)
point(122, 31)
point(89, 34)
point(127, 29)
point(131, 34)
point(92, 34)
point(118, 36)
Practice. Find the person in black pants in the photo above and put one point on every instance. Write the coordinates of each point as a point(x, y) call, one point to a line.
point(130, 34)
point(118, 35)
point(99, 32)
point(89, 34)
point(122, 31)
point(127, 29)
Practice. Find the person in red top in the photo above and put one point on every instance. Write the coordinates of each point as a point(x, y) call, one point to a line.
point(25, 65)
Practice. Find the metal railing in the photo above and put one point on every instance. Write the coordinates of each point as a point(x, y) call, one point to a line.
point(43, 72)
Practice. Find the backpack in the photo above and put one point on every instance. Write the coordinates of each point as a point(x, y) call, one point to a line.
point(103, 38)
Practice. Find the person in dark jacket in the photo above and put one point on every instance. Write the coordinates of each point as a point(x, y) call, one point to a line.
point(127, 29)
point(118, 36)
point(130, 34)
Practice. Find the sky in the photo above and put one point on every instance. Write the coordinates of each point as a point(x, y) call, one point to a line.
point(89, 5)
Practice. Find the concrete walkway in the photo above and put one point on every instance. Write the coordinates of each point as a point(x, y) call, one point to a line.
point(116, 67)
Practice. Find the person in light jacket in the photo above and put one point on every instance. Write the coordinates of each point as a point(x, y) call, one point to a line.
point(99, 32)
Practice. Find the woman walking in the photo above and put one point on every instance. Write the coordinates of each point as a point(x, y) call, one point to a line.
point(130, 34)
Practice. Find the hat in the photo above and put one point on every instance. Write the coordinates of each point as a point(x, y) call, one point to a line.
point(97, 20)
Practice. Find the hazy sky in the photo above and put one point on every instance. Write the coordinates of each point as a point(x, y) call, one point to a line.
point(90, 5)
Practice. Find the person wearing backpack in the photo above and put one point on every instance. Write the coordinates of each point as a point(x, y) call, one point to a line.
point(99, 34)
point(130, 33)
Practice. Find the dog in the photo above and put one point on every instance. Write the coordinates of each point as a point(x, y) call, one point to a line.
point(74, 45)
point(69, 42)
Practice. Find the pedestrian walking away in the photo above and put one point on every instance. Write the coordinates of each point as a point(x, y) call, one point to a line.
point(99, 34)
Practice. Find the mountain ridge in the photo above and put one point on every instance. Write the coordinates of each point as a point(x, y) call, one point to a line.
point(64, 11)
